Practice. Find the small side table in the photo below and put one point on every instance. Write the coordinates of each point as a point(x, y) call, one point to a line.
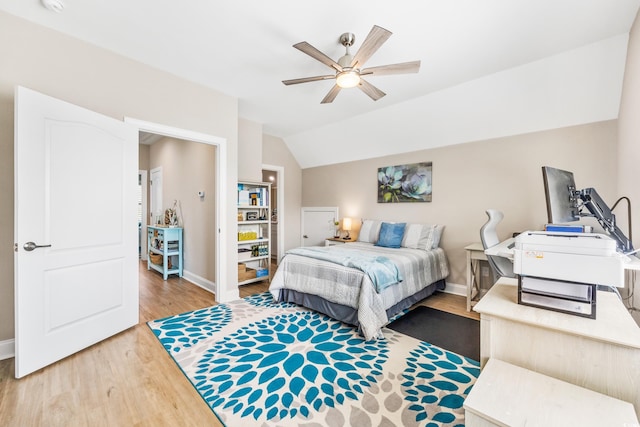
point(333, 241)
point(166, 242)
point(475, 254)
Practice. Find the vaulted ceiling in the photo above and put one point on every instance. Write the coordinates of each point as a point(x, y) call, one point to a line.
point(489, 68)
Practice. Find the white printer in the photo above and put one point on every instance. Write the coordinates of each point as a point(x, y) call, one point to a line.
point(561, 271)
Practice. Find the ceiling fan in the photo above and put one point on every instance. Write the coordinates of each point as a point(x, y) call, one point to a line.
point(348, 69)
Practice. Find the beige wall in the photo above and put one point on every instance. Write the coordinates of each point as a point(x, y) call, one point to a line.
point(187, 168)
point(629, 133)
point(97, 79)
point(249, 151)
point(502, 174)
point(629, 148)
point(276, 153)
point(143, 157)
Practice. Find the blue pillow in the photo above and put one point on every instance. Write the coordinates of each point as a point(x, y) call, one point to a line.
point(391, 234)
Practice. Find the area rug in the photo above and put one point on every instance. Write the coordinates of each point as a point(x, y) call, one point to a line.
point(258, 362)
point(455, 333)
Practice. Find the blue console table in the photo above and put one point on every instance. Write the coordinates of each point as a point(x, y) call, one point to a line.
point(166, 242)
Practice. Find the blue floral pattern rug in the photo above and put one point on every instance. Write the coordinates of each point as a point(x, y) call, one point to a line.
point(258, 362)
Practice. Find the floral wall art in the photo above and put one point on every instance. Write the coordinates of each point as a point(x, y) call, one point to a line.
point(405, 183)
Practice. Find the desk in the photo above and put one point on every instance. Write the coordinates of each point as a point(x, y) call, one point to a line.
point(475, 254)
point(601, 354)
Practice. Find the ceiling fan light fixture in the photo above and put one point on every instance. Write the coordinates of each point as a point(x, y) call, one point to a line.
point(347, 79)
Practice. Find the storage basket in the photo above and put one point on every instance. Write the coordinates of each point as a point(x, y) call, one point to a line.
point(157, 259)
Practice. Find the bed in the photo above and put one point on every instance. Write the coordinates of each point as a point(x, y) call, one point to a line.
point(317, 278)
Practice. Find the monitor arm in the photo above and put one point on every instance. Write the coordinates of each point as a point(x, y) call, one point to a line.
point(599, 209)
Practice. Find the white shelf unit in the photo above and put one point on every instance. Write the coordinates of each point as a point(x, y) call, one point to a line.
point(254, 232)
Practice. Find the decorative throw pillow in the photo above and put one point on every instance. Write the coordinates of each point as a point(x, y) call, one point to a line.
point(417, 236)
point(422, 236)
point(369, 231)
point(391, 234)
point(437, 235)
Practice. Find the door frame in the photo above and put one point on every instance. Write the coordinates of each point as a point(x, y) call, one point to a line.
point(144, 182)
point(222, 189)
point(153, 216)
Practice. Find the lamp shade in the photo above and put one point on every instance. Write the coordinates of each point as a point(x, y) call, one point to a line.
point(347, 79)
point(346, 224)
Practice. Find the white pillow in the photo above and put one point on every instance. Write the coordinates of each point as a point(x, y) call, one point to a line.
point(369, 231)
point(437, 235)
point(422, 236)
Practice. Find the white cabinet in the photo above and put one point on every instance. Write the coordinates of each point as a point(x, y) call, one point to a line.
point(599, 354)
point(254, 232)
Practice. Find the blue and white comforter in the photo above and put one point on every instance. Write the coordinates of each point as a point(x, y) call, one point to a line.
point(354, 288)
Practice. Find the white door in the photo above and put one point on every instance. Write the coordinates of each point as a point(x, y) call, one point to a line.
point(157, 213)
point(76, 268)
point(317, 225)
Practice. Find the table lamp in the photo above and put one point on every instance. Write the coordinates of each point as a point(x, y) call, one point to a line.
point(346, 226)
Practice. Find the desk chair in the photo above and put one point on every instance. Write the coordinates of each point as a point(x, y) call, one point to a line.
point(501, 267)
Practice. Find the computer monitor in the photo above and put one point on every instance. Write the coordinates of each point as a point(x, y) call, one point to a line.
point(560, 193)
point(565, 203)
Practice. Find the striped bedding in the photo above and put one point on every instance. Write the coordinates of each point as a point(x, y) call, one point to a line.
point(351, 287)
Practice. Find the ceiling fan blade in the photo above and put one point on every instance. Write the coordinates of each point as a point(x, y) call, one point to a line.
point(308, 79)
point(376, 37)
point(316, 54)
point(373, 92)
point(383, 70)
point(331, 95)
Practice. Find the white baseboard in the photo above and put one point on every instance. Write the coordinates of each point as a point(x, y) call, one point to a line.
point(205, 284)
point(456, 289)
point(7, 349)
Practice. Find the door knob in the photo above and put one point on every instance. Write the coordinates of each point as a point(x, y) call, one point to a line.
point(29, 246)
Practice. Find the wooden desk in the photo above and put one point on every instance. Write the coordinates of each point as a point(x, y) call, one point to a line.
point(475, 254)
point(601, 354)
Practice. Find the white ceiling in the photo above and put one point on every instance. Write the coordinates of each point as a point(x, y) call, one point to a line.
point(244, 48)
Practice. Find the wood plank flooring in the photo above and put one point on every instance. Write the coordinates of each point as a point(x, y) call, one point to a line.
point(129, 379)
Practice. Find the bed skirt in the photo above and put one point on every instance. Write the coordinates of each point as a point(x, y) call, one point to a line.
point(348, 314)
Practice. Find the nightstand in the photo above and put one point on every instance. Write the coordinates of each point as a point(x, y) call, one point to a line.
point(333, 241)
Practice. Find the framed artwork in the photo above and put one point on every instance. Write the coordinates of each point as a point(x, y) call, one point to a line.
point(405, 183)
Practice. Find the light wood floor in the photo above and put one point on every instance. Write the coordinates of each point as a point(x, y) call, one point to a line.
point(129, 379)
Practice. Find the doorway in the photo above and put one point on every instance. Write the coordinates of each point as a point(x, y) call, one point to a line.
point(218, 220)
point(275, 175)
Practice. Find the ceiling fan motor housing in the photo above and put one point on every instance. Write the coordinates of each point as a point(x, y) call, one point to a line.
point(347, 39)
